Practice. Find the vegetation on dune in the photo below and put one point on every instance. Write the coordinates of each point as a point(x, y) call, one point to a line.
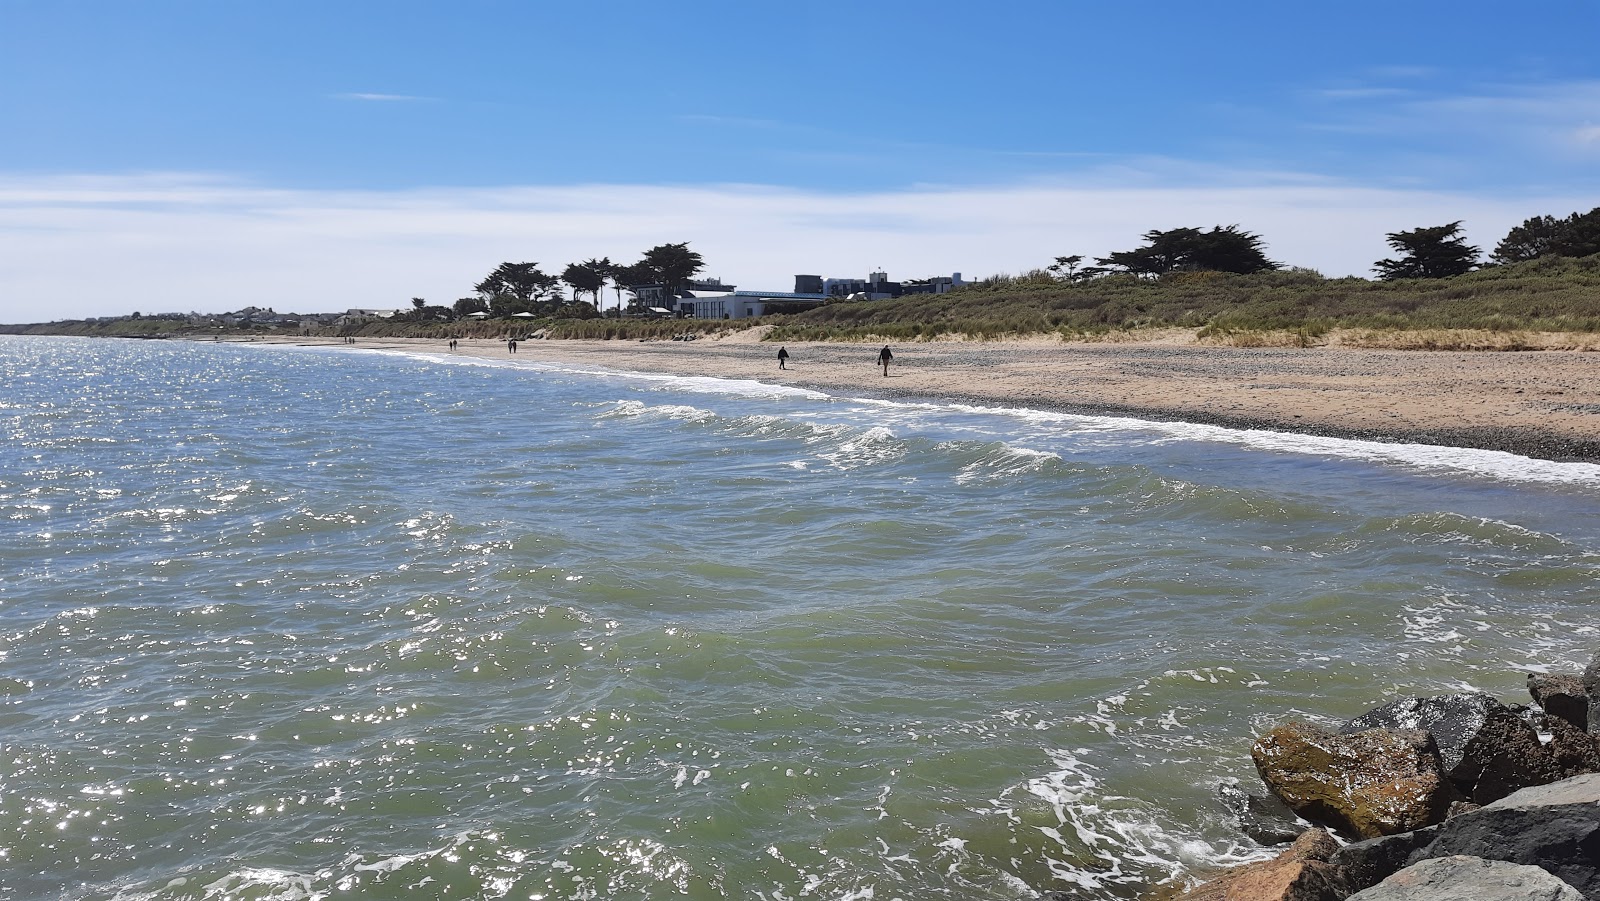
point(1540, 290)
point(1550, 294)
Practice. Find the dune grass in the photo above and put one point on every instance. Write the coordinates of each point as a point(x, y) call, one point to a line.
point(1546, 295)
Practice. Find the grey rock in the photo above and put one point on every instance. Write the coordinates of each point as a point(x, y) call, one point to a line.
point(1486, 750)
point(1454, 721)
point(1267, 820)
point(1463, 878)
point(1561, 696)
point(1556, 827)
point(1365, 864)
point(1577, 790)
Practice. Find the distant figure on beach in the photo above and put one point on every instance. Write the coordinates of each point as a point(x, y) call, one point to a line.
point(883, 359)
point(783, 358)
point(511, 345)
point(452, 344)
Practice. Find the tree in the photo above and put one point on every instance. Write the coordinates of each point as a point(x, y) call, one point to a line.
point(625, 277)
point(1222, 249)
point(517, 288)
point(1436, 252)
point(588, 277)
point(672, 265)
point(1577, 235)
point(1066, 267)
point(417, 305)
point(469, 305)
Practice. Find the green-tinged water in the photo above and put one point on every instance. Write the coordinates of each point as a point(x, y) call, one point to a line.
point(287, 623)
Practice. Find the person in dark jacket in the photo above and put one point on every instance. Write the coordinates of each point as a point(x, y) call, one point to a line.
point(783, 357)
point(884, 356)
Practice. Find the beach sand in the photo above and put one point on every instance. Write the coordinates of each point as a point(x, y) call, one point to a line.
point(1538, 403)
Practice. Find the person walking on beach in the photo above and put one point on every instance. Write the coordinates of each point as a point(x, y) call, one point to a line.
point(783, 358)
point(884, 356)
point(511, 346)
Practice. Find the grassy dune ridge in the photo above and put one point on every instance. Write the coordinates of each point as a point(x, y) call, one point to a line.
point(1546, 295)
point(1549, 303)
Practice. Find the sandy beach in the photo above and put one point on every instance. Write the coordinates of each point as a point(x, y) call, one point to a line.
point(1541, 404)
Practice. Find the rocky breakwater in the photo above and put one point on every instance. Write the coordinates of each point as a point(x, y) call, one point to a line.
point(1448, 798)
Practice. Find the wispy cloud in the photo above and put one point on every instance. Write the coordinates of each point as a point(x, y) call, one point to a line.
point(170, 242)
point(1373, 93)
point(380, 98)
point(1549, 107)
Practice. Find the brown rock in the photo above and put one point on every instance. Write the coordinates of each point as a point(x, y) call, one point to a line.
point(1364, 784)
point(1561, 696)
point(1301, 873)
point(1575, 751)
point(1505, 755)
point(1591, 686)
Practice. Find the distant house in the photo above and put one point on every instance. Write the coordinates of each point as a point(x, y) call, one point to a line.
point(363, 316)
point(656, 298)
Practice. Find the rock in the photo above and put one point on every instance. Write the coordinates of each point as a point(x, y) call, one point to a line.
point(1505, 755)
point(1591, 687)
point(1457, 808)
point(1561, 696)
point(1301, 873)
point(1460, 878)
point(1267, 820)
point(1555, 826)
point(1480, 741)
point(1453, 719)
point(1366, 784)
point(1575, 751)
point(1366, 863)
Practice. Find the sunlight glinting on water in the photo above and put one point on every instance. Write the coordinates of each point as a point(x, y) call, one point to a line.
point(293, 623)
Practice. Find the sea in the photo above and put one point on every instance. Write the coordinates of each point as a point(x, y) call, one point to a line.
point(284, 622)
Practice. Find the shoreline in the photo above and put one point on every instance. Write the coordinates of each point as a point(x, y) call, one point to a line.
point(1543, 404)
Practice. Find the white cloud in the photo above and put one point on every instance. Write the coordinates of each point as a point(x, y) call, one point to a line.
point(1532, 122)
point(102, 245)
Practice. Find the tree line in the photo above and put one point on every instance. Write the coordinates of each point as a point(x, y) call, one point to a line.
point(512, 288)
point(1438, 251)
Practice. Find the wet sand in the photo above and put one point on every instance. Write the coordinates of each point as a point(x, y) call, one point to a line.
point(1540, 403)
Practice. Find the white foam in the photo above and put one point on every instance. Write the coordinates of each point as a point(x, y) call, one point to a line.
point(1426, 457)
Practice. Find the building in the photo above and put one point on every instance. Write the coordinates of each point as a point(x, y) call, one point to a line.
point(939, 284)
point(655, 299)
point(746, 304)
point(360, 316)
point(809, 291)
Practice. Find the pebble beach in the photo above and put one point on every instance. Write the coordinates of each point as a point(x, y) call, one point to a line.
point(1543, 404)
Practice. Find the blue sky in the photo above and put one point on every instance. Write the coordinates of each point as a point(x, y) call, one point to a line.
point(309, 156)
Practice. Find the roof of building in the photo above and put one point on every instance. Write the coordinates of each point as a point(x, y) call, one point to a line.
point(780, 295)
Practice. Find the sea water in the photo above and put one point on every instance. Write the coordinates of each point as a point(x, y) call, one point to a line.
point(294, 623)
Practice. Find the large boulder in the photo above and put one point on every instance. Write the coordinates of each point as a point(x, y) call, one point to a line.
point(1301, 873)
point(1462, 878)
point(1555, 826)
point(1486, 750)
point(1365, 784)
point(1561, 696)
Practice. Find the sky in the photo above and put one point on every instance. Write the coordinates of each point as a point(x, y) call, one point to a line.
point(312, 157)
